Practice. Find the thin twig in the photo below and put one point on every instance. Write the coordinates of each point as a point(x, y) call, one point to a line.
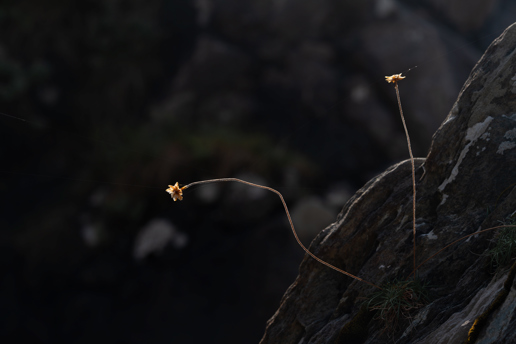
point(413, 174)
point(289, 220)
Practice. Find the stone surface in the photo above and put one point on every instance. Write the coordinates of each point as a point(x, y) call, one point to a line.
point(467, 15)
point(311, 214)
point(155, 236)
point(466, 183)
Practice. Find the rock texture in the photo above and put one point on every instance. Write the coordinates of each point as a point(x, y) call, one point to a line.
point(466, 183)
point(125, 96)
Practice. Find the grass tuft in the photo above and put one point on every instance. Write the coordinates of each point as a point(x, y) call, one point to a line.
point(505, 247)
point(396, 301)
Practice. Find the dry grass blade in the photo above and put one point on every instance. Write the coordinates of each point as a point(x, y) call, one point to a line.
point(394, 79)
point(396, 301)
point(177, 193)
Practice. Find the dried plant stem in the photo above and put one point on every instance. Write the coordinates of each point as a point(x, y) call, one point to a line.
point(456, 241)
point(413, 176)
point(289, 220)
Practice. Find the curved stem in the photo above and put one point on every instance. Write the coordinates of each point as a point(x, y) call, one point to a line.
point(289, 220)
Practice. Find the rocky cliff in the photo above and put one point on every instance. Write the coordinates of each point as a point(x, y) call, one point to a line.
point(465, 184)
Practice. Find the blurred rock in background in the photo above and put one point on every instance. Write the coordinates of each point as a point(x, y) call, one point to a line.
point(121, 98)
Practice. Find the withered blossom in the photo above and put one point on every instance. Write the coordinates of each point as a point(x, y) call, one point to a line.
point(394, 78)
point(175, 191)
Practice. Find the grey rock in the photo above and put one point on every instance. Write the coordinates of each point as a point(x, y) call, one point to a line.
point(465, 183)
point(311, 215)
point(466, 15)
point(338, 194)
point(154, 237)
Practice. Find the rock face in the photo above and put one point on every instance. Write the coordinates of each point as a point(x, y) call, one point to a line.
point(466, 183)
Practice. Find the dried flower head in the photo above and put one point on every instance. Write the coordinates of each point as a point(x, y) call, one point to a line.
point(394, 78)
point(175, 191)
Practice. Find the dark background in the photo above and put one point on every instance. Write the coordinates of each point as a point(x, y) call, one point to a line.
point(114, 100)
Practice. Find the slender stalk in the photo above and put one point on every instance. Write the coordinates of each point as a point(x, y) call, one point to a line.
point(289, 220)
point(456, 241)
point(413, 175)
